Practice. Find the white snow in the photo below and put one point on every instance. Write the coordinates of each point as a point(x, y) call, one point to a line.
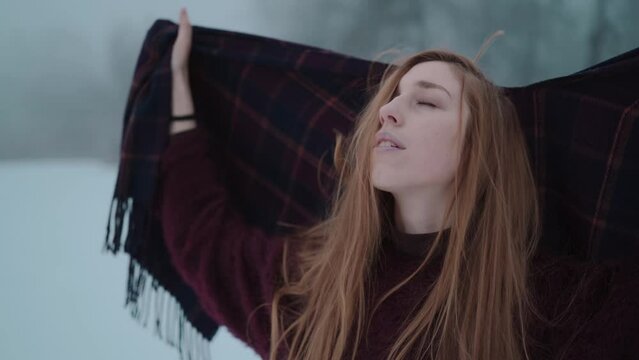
point(61, 296)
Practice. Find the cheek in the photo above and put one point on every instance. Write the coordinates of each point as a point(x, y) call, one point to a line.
point(434, 156)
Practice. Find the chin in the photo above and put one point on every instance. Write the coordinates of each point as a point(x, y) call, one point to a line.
point(384, 183)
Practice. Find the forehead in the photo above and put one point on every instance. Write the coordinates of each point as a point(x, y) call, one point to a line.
point(437, 72)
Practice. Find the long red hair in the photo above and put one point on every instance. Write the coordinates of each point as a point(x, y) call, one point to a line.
point(480, 305)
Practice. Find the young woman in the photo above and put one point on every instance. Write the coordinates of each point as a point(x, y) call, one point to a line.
point(427, 252)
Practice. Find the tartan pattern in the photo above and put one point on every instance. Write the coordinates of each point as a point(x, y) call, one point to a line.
point(273, 108)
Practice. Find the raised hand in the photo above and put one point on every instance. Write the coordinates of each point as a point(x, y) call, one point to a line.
point(182, 101)
point(182, 46)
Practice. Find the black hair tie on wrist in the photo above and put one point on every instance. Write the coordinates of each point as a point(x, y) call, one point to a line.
point(183, 117)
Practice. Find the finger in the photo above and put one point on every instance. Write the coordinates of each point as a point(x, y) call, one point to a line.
point(184, 31)
point(184, 17)
point(184, 22)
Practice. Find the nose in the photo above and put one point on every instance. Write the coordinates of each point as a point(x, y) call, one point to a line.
point(388, 113)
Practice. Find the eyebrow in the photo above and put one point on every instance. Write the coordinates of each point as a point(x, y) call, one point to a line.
point(428, 85)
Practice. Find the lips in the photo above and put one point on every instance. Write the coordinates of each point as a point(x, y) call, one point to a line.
point(386, 136)
point(387, 144)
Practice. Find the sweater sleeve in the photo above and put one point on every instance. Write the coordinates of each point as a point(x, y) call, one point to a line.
point(230, 265)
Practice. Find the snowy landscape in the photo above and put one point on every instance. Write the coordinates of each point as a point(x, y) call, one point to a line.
point(62, 297)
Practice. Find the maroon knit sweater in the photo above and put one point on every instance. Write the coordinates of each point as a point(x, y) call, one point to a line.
point(233, 269)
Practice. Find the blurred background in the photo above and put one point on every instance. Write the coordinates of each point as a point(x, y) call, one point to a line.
point(65, 72)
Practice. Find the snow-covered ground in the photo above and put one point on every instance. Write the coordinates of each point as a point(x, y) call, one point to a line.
point(61, 297)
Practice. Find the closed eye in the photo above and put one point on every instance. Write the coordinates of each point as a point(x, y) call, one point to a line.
point(426, 103)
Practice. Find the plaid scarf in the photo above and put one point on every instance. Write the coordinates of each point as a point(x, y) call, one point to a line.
point(276, 107)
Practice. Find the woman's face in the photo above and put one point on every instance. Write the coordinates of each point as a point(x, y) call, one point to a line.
point(423, 117)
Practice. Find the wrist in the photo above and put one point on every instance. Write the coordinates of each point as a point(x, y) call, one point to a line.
point(181, 99)
point(181, 126)
point(180, 74)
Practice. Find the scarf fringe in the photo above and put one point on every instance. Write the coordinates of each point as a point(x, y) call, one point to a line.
point(122, 212)
point(170, 323)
